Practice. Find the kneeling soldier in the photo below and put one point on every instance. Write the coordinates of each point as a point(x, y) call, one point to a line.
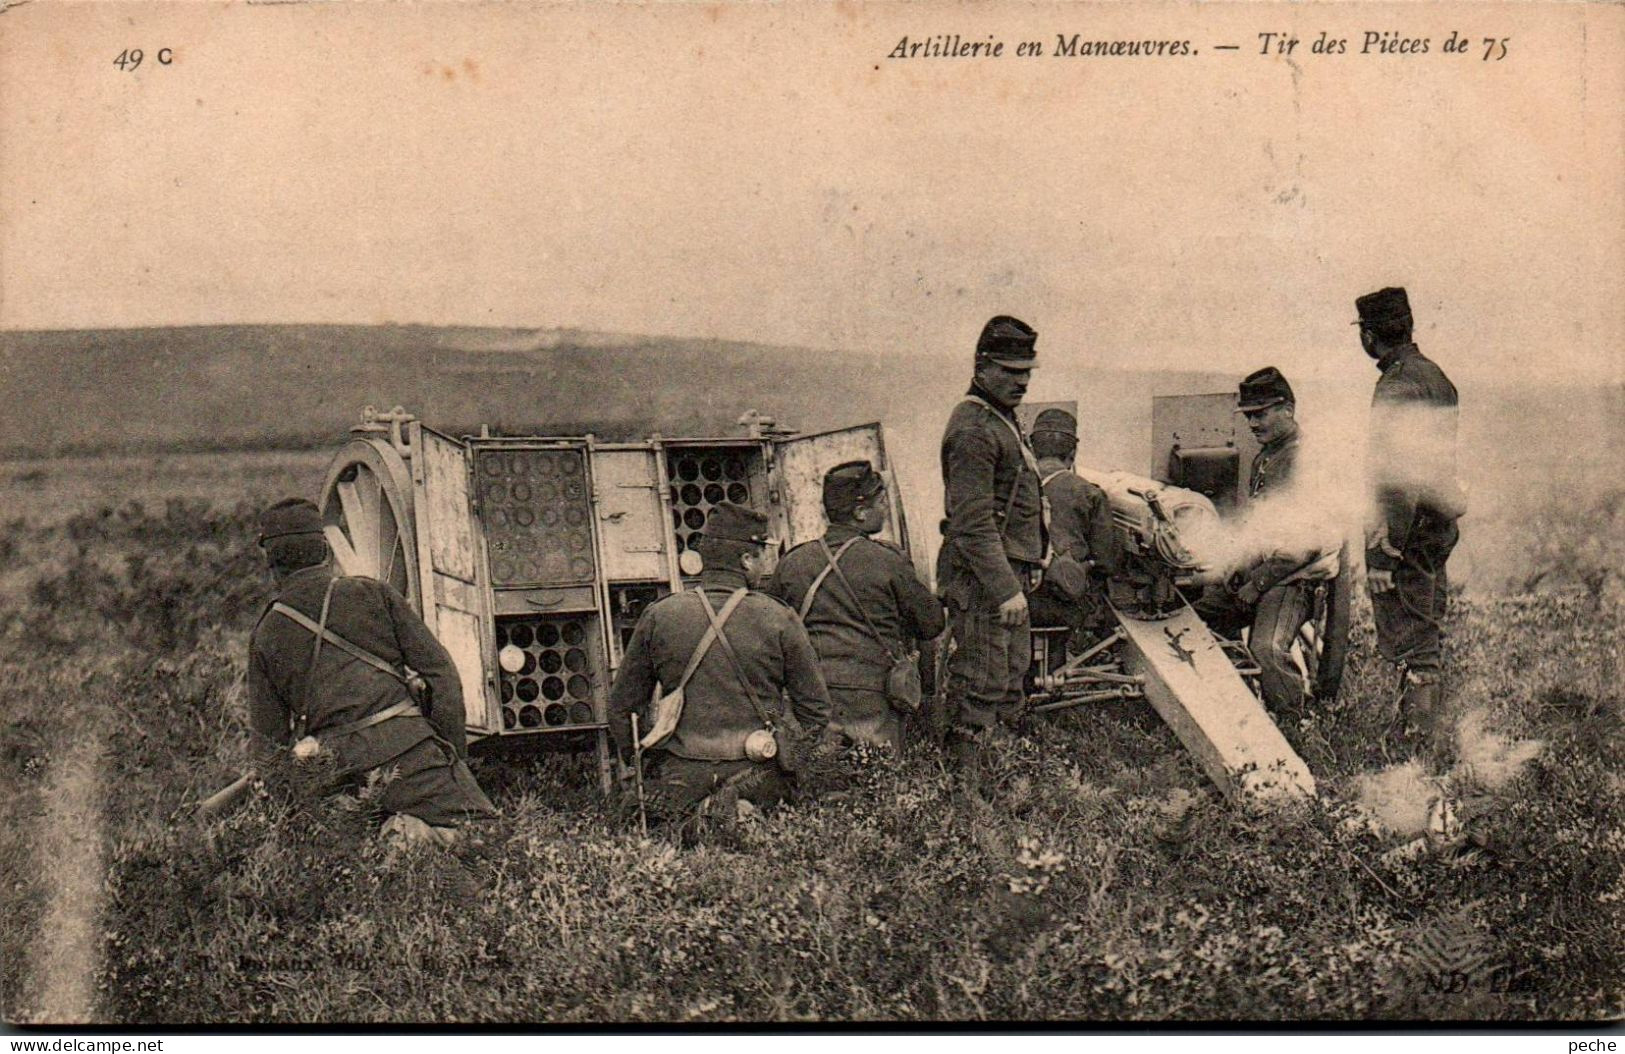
point(862, 604)
point(723, 656)
point(346, 661)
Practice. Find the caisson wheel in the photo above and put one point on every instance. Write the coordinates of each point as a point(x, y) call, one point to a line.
point(367, 511)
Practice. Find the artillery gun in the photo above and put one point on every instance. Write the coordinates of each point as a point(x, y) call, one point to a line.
point(531, 556)
point(1157, 647)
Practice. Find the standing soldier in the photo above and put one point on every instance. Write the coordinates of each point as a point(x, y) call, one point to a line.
point(1412, 469)
point(724, 657)
point(862, 604)
point(994, 539)
point(1080, 529)
point(344, 660)
point(1273, 592)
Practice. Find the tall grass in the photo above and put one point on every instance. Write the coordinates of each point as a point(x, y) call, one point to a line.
point(1102, 878)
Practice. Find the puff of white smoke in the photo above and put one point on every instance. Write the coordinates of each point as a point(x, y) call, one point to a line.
point(1488, 759)
point(1400, 798)
point(1326, 503)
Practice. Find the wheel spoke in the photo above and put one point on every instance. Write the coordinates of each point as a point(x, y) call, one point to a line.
point(361, 520)
point(389, 567)
point(388, 540)
point(367, 505)
point(343, 553)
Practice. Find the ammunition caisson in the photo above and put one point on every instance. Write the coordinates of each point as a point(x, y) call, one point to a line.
point(532, 557)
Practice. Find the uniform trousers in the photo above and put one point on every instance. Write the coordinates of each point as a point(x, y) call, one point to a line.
point(865, 716)
point(1275, 622)
point(1410, 616)
point(986, 669)
point(432, 784)
point(678, 786)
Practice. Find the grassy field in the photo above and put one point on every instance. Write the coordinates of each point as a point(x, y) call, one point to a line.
point(1102, 878)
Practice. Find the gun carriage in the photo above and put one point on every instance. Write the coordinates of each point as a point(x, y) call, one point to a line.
point(531, 556)
point(1156, 647)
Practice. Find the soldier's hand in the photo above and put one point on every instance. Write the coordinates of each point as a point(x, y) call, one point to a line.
point(1379, 581)
point(1013, 612)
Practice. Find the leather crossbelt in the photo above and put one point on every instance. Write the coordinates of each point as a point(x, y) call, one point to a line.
point(354, 651)
point(404, 708)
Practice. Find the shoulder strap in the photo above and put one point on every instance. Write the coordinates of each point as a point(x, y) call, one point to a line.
point(710, 636)
point(323, 633)
point(727, 649)
point(834, 565)
point(301, 722)
point(1027, 455)
point(1044, 480)
point(812, 590)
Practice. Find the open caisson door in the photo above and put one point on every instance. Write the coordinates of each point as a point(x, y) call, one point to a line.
point(451, 568)
point(802, 462)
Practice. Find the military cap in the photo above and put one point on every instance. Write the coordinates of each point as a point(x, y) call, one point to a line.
point(849, 483)
point(1385, 305)
point(728, 522)
point(1263, 388)
point(1056, 420)
point(1009, 342)
point(290, 516)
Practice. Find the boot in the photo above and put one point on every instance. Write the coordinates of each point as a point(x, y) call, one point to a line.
point(1422, 705)
point(965, 758)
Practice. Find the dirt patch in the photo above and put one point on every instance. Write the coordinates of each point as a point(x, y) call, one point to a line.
point(71, 849)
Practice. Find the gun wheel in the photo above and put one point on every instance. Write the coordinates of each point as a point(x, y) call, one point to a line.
point(1323, 641)
point(367, 511)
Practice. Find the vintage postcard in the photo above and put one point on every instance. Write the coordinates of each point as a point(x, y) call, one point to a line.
point(972, 512)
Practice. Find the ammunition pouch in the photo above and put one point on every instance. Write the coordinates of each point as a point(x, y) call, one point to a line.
point(903, 688)
point(420, 691)
point(1068, 578)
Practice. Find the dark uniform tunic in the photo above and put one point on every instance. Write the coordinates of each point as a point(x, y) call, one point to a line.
point(853, 662)
point(1413, 470)
point(707, 749)
point(994, 541)
point(433, 783)
point(1080, 534)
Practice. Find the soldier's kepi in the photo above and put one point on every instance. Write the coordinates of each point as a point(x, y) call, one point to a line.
point(345, 673)
point(710, 668)
point(863, 607)
point(995, 540)
point(1411, 465)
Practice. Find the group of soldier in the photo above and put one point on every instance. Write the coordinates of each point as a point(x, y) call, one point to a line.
point(725, 690)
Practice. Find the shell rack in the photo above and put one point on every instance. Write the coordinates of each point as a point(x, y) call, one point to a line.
point(554, 546)
point(554, 687)
point(701, 478)
point(538, 516)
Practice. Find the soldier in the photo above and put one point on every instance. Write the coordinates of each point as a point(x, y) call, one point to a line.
point(1270, 593)
point(732, 683)
point(994, 539)
point(862, 604)
point(1080, 529)
point(1412, 469)
point(344, 660)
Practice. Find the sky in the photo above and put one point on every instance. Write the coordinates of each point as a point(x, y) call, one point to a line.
point(764, 172)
